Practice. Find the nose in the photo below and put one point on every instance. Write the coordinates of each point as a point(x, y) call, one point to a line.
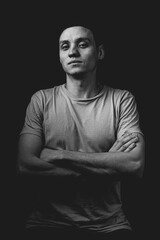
point(73, 52)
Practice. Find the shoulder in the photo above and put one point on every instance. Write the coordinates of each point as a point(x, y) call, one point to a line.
point(118, 94)
point(45, 95)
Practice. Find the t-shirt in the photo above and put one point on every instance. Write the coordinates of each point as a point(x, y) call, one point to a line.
point(86, 125)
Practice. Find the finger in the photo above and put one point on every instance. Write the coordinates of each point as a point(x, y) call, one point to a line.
point(126, 145)
point(132, 140)
point(129, 138)
point(115, 144)
point(125, 142)
point(130, 147)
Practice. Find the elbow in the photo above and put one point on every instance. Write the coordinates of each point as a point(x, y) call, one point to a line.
point(139, 170)
point(139, 159)
point(21, 169)
point(138, 167)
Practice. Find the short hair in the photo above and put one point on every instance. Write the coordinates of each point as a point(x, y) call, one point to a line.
point(98, 33)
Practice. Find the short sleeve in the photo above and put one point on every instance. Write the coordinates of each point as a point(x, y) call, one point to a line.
point(128, 114)
point(33, 123)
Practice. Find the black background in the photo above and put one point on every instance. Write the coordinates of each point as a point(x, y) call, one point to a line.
point(31, 55)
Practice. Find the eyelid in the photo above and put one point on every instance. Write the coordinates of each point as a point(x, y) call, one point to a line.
point(64, 45)
point(85, 43)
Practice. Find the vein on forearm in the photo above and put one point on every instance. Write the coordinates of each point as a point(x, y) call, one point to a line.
point(99, 163)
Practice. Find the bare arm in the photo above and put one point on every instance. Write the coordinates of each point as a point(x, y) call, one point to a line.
point(112, 162)
point(125, 156)
point(30, 163)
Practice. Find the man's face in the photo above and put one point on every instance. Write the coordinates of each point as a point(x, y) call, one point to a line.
point(77, 51)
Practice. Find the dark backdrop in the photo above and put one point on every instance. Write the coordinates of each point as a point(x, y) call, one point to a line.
point(32, 42)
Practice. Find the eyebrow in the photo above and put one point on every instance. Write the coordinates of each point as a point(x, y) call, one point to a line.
point(77, 40)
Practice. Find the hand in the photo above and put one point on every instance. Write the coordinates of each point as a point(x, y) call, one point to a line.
point(50, 155)
point(126, 143)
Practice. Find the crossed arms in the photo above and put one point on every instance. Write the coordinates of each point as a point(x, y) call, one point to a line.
point(125, 156)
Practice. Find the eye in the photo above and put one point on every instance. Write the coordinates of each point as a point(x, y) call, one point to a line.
point(83, 44)
point(64, 46)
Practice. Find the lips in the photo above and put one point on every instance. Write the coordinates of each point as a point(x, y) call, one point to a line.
point(75, 61)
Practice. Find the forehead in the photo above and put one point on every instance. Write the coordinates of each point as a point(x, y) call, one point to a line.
point(73, 33)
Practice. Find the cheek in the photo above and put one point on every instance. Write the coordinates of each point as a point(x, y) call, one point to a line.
point(91, 60)
point(62, 61)
point(62, 58)
point(90, 56)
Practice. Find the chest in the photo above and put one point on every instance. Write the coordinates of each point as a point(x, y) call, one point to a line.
point(83, 127)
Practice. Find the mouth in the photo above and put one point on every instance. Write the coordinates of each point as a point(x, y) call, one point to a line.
point(74, 62)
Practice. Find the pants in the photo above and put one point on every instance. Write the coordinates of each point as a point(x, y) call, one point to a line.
point(48, 234)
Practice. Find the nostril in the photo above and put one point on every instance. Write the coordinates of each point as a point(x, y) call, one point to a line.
point(73, 54)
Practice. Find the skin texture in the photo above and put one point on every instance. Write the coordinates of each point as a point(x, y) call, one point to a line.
point(79, 57)
point(80, 46)
point(77, 44)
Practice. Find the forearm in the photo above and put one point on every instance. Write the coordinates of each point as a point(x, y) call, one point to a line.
point(100, 163)
point(35, 166)
point(125, 156)
point(104, 163)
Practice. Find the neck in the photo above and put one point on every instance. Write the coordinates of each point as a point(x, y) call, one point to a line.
point(82, 88)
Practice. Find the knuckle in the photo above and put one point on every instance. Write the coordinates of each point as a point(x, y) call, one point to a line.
point(122, 141)
point(118, 141)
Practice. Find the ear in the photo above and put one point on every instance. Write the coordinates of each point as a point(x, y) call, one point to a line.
point(101, 52)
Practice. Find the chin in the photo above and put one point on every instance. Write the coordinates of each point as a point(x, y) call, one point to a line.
point(78, 75)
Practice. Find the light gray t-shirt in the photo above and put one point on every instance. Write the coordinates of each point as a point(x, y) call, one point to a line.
point(86, 125)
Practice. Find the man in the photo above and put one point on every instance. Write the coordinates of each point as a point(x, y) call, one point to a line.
point(78, 140)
